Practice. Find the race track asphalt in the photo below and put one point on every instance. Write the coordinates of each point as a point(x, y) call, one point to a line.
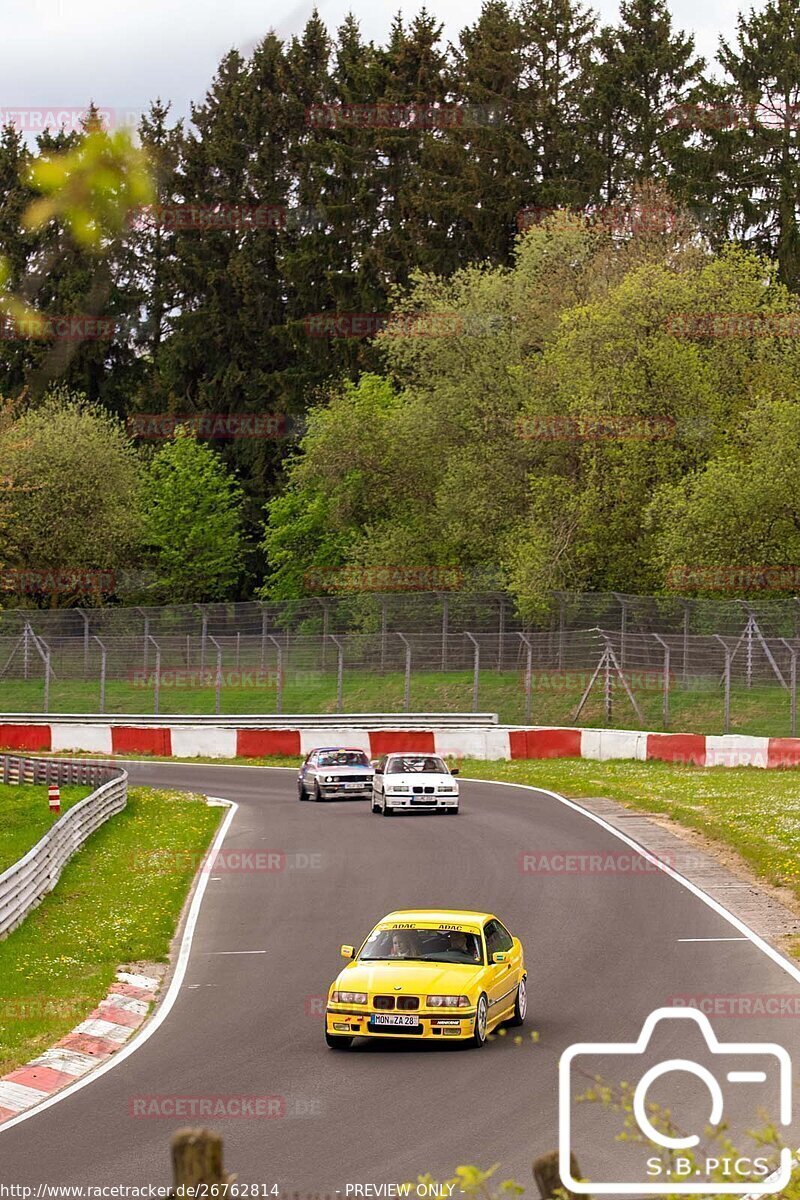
point(603, 949)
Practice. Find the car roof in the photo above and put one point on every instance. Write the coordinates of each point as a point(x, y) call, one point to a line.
point(335, 749)
point(466, 916)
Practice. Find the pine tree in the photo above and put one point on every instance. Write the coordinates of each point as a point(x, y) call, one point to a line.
point(746, 166)
point(646, 71)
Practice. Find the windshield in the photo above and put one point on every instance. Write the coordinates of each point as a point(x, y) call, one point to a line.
point(411, 764)
point(343, 758)
point(422, 945)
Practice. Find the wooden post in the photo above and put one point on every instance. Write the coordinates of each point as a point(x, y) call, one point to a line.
point(197, 1159)
point(548, 1180)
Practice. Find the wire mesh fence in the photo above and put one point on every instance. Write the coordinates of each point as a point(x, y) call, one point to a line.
point(240, 658)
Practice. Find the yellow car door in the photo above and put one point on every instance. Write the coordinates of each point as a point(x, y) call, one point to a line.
point(502, 976)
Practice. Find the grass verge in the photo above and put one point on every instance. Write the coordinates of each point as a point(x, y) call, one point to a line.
point(59, 964)
point(25, 816)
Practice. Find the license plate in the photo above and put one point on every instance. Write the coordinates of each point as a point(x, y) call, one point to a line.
point(395, 1019)
point(356, 786)
point(423, 799)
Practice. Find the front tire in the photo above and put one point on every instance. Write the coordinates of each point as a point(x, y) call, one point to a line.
point(520, 1004)
point(478, 1038)
point(302, 794)
point(317, 793)
point(386, 811)
point(338, 1041)
point(375, 808)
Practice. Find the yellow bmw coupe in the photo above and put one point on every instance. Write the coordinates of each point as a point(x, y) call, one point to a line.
point(429, 974)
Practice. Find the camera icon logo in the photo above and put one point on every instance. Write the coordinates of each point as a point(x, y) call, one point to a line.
point(739, 1063)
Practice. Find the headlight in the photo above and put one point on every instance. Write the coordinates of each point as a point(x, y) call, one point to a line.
point(446, 787)
point(328, 779)
point(349, 997)
point(448, 1001)
point(397, 788)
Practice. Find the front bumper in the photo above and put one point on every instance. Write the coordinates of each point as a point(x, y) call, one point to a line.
point(348, 1022)
point(337, 791)
point(401, 803)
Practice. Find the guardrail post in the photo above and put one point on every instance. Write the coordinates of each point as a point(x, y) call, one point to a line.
point(407, 684)
point(157, 686)
point(102, 673)
point(218, 681)
point(727, 682)
point(665, 703)
point(279, 685)
point(203, 636)
point(528, 676)
point(476, 669)
point(339, 672)
point(792, 687)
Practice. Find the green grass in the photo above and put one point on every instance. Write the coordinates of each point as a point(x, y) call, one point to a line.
point(25, 817)
point(698, 709)
point(118, 901)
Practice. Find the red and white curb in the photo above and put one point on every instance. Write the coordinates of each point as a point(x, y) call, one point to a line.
point(91, 1043)
point(491, 742)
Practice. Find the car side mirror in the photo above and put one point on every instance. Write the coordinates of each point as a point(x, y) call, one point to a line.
point(499, 957)
point(347, 951)
point(454, 771)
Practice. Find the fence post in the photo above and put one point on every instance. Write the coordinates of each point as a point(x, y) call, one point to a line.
point(724, 645)
point(407, 685)
point(665, 709)
point(383, 634)
point(445, 627)
point(279, 689)
point(203, 636)
point(157, 687)
point(792, 686)
point(501, 633)
point(102, 673)
point(85, 642)
point(476, 669)
point(687, 610)
point(623, 625)
point(218, 680)
point(528, 676)
point(339, 671)
point(264, 621)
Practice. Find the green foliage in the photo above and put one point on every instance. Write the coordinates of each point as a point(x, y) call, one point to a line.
point(192, 522)
point(74, 500)
point(740, 509)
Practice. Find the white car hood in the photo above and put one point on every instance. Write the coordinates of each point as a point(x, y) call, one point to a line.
point(419, 779)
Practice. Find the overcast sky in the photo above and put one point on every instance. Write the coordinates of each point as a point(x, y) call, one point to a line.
point(123, 53)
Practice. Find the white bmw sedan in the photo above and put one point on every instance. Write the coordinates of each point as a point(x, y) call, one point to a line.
point(413, 783)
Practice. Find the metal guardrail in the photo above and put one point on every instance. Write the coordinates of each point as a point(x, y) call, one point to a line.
point(28, 881)
point(402, 720)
